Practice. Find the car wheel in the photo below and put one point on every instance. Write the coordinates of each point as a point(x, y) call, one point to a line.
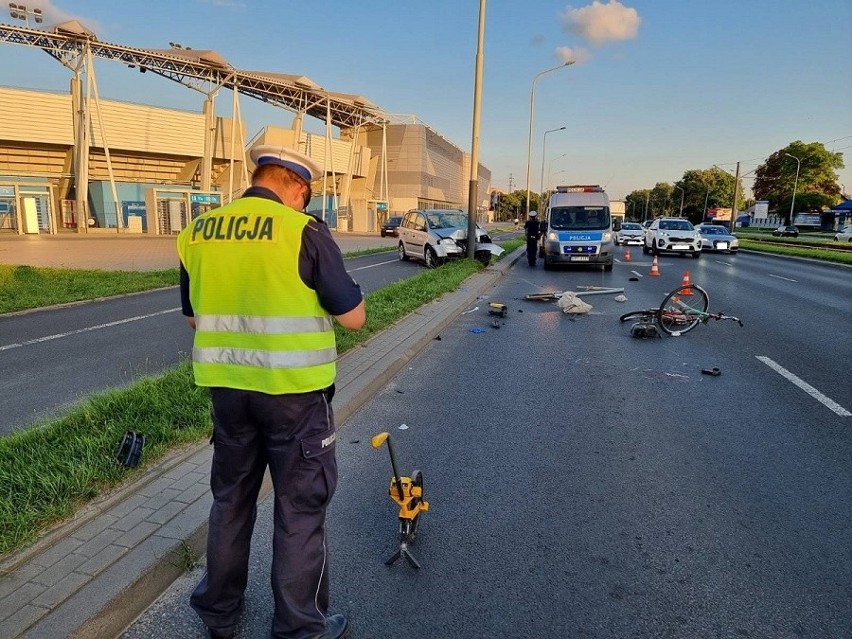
point(547, 265)
point(402, 254)
point(608, 266)
point(696, 255)
point(382, 233)
point(431, 258)
point(541, 251)
point(645, 249)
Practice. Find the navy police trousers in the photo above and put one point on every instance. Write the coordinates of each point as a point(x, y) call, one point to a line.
point(294, 436)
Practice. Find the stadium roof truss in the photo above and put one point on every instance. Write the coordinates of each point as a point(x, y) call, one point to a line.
point(70, 42)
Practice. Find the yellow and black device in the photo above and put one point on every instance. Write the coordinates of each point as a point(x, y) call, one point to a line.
point(407, 493)
point(498, 309)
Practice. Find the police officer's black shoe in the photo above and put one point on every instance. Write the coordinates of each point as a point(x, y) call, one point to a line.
point(336, 627)
point(215, 634)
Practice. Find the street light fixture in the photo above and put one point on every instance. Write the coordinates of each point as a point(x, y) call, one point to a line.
point(21, 12)
point(532, 112)
point(543, 147)
point(795, 184)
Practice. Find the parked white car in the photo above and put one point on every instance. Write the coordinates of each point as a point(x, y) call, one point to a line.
point(844, 234)
point(674, 235)
point(630, 233)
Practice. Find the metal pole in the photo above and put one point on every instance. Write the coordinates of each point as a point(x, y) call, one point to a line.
point(532, 112)
point(543, 147)
point(647, 197)
point(473, 191)
point(795, 184)
point(681, 199)
point(704, 212)
point(736, 193)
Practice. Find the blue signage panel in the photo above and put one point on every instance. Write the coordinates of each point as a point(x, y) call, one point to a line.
point(205, 198)
point(7, 191)
point(4, 207)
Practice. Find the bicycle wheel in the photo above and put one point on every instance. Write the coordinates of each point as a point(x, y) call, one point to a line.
point(648, 315)
point(682, 309)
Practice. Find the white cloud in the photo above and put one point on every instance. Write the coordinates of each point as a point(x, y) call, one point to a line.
point(563, 54)
point(600, 22)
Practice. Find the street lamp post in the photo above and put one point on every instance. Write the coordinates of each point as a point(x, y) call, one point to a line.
point(532, 112)
point(543, 147)
point(681, 199)
point(795, 184)
point(473, 189)
point(550, 171)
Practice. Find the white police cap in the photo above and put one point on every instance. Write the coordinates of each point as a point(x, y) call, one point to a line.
point(291, 159)
point(533, 213)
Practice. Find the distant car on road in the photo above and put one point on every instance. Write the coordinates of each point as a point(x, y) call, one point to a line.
point(717, 238)
point(391, 226)
point(844, 234)
point(786, 231)
point(630, 233)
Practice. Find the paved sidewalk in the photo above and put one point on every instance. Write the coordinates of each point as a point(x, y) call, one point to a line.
point(92, 576)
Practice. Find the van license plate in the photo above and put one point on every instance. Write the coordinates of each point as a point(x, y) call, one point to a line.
point(680, 247)
point(579, 258)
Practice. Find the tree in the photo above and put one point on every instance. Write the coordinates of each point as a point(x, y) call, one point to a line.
point(708, 189)
point(775, 179)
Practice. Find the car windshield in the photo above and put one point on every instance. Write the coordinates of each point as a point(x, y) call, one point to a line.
point(631, 227)
point(394, 220)
point(447, 220)
point(579, 218)
point(713, 230)
point(675, 225)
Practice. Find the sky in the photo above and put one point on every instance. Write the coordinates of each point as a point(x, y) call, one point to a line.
point(658, 87)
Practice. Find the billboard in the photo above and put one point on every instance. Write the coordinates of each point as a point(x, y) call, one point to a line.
point(719, 215)
point(761, 209)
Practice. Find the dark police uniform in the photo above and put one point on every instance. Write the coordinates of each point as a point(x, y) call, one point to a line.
point(533, 232)
point(289, 425)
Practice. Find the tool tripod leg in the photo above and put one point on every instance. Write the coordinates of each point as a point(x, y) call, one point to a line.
point(403, 552)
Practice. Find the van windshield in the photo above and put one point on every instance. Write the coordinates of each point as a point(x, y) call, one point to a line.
point(579, 218)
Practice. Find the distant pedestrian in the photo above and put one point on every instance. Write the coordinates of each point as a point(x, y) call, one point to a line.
point(260, 283)
point(517, 224)
point(533, 232)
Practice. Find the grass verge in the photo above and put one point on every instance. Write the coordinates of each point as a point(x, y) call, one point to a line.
point(49, 471)
point(826, 255)
point(26, 287)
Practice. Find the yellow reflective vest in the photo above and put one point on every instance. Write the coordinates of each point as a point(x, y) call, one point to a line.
point(258, 326)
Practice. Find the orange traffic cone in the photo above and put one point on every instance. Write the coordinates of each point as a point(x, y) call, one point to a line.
point(626, 253)
point(687, 291)
point(655, 270)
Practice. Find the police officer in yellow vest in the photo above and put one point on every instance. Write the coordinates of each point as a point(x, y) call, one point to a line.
point(260, 283)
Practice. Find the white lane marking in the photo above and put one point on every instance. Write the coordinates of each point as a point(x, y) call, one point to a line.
point(361, 268)
point(723, 262)
point(782, 278)
point(636, 274)
point(87, 329)
point(810, 390)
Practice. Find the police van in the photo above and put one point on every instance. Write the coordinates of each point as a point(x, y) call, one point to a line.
point(578, 227)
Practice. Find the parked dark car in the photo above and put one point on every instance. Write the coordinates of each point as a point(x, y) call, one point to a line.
point(786, 231)
point(391, 226)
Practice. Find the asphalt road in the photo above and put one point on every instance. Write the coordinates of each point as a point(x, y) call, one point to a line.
point(584, 483)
